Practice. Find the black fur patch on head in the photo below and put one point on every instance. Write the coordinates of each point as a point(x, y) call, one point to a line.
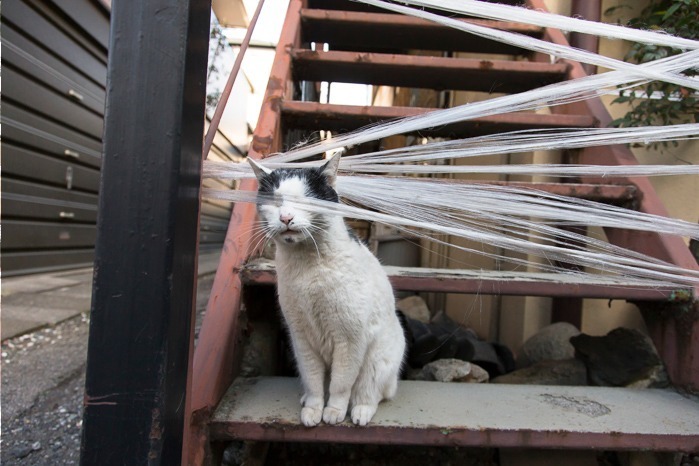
point(318, 185)
point(313, 178)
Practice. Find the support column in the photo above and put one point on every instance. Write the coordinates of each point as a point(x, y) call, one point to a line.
point(145, 267)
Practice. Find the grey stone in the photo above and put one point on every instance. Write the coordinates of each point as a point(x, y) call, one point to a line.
point(415, 308)
point(550, 343)
point(453, 370)
point(562, 372)
point(655, 377)
point(21, 452)
point(623, 357)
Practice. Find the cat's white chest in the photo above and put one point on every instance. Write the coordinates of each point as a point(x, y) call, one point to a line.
point(335, 301)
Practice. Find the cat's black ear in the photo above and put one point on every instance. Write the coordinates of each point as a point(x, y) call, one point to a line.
point(329, 170)
point(258, 169)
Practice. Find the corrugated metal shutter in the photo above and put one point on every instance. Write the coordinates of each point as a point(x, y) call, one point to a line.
point(54, 75)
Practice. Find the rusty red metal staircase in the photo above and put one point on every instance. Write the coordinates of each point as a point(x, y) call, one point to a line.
point(242, 296)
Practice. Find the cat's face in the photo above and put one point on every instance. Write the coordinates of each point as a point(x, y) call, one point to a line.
point(283, 220)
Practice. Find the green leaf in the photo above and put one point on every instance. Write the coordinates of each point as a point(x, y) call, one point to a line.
point(670, 11)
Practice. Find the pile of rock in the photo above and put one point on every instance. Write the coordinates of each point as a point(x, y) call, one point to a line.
point(548, 358)
point(442, 350)
point(559, 354)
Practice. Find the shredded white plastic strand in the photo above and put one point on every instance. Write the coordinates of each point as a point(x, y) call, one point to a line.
point(538, 45)
point(224, 170)
point(474, 201)
point(611, 260)
point(554, 94)
point(396, 160)
point(558, 170)
point(517, 14)
point(525, 141)
point(512, 232)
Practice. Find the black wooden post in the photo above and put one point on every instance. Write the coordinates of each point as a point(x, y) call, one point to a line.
point(147, 233)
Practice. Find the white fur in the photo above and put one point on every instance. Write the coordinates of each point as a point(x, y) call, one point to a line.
point(339, 307)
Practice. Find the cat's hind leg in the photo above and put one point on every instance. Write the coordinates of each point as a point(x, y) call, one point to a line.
point(377, 381)
point(370, 389)
point(366, 395)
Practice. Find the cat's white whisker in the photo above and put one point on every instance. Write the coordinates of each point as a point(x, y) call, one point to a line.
point(310, 236)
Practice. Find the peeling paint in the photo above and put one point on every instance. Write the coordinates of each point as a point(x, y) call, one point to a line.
point(93, 400)
point(155, 430)
point(578, 404)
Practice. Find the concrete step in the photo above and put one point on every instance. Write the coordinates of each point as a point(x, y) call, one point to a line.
point(480, 415)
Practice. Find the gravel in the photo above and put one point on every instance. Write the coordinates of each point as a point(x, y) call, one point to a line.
point(42, 394)
point(43, 382)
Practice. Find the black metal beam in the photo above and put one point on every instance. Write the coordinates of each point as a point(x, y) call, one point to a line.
point(147, 233)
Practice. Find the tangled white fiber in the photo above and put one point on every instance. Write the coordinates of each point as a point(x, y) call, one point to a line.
point(514, 219)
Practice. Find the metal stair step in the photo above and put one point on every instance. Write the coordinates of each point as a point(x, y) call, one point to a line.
point(615, 194)
point(425, 72)
point(316, 116)
point(351, 30)
point(356, 6)
point(488, 282)
point(479, 415)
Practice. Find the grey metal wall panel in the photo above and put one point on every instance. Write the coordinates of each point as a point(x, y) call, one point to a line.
point(23, 234)
point(23, 163)
point(35, 60)
point(91, 18)
point(25, 18)
point(55, 63)
point(22, 89)
point(217, 211)
point(15, 263)
point(27, 128)
point(24, 200)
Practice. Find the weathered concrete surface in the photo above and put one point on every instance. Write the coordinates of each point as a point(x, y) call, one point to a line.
point(42, 391)
point(42, 360)
point(43, 364)
point(32, 302)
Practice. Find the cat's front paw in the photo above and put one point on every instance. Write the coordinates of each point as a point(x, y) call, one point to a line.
point(311, 416)
point(333, 415)
point(362, 414)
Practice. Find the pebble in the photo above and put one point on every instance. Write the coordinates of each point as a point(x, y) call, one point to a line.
point(21, 452)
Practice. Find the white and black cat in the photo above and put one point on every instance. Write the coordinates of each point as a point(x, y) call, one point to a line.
point(336, 299)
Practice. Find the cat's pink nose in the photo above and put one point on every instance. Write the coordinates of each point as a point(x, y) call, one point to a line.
point(286, 218)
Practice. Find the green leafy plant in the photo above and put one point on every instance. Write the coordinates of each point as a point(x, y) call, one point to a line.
point(659, 103)
point(217, 48)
